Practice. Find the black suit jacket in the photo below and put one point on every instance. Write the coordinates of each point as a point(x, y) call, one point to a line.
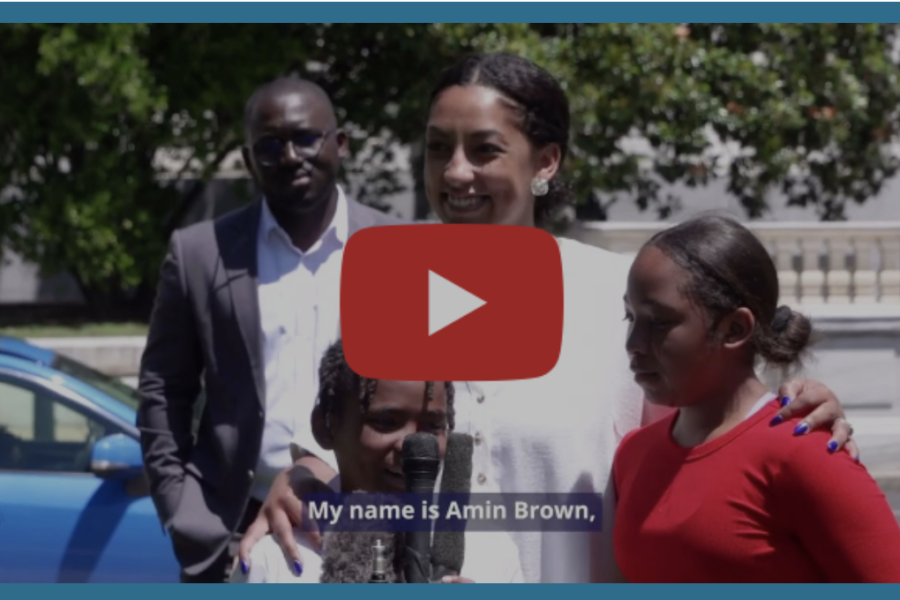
point(205, 326)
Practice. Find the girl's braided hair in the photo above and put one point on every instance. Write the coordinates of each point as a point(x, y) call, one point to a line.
point(337, 381)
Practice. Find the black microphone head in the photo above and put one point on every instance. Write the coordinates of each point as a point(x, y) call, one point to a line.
point(421, 445)
point(421, 462)
point(448, 547)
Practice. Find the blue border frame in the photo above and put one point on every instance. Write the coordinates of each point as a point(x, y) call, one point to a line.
point(427, 12)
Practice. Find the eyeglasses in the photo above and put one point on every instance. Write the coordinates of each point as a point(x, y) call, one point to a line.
point(269, 151)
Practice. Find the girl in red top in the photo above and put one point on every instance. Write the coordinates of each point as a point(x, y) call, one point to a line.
point(711, 494)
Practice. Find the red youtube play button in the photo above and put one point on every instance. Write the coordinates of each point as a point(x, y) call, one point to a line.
point(452, 302)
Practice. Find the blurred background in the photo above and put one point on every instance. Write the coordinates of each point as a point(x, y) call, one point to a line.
point(114, 135)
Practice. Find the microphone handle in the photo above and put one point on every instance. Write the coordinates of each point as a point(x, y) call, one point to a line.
point(417, 566)
point(417, 559)
point(421, 476)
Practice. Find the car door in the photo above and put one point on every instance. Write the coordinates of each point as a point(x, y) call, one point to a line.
point(58, 521)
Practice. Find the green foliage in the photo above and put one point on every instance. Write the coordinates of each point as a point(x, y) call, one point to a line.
point(88, 109)
point(807, 109)
point(75, 109)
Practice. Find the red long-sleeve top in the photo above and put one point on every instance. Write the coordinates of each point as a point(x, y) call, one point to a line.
point(756, 504)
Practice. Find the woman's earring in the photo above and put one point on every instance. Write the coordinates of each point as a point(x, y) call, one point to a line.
point(539, 186)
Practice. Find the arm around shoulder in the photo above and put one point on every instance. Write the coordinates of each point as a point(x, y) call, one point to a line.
point(170, 372)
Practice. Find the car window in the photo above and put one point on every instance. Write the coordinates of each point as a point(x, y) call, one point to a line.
point(40, 432)
point(112, 387)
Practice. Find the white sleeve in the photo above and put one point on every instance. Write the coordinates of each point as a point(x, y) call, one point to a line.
point(512, 564)
point(492, 557)
point(513, 569)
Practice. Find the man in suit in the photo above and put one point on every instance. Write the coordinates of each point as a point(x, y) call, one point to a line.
point(246, 305)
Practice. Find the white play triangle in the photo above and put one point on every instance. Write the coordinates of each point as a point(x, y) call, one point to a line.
point(448, 303)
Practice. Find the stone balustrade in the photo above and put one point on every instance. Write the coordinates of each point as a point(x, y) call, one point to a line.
point(818, 263)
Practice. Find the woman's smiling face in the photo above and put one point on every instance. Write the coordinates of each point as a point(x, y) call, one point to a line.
point(479, 164)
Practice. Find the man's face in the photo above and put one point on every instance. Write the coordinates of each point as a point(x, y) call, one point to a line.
point(294, 149)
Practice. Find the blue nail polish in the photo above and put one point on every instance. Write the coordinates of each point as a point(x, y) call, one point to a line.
point(832, 446)
point(244, 568)
point(298, 567)
point(801, 429)
point(785, 400)
point(778, 419)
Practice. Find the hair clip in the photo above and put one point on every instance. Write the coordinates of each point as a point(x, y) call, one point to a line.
point(782, 318)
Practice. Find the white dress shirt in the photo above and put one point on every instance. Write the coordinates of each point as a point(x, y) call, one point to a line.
point(299, 307)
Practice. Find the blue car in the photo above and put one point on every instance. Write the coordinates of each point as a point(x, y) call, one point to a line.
point(74, 501)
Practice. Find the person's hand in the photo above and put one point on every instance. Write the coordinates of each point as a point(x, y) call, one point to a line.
point(455, 579)
point(281, 513)
point(821, 408)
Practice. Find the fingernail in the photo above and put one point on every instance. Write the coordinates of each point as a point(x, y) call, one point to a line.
point(832, 446)
point(244, 568)
point(785, 400)
point(801, 429)
point(778, 419)
point(857, 458)
point(298, 567)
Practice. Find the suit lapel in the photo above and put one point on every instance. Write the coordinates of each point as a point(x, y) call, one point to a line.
point(239, 258)
point(238, 249)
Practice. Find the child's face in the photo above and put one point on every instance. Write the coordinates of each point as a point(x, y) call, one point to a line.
point(369, 446)
point(672, 356)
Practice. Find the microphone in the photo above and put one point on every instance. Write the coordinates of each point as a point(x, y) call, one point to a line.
point(449, 547)
point(421, 463)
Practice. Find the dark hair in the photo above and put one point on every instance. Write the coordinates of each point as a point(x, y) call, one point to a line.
point(729, 268)
point(282, 85)
point(337, 382)
point(537, 95)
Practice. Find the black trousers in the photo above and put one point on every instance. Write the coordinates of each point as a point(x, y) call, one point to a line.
point(220, 570)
